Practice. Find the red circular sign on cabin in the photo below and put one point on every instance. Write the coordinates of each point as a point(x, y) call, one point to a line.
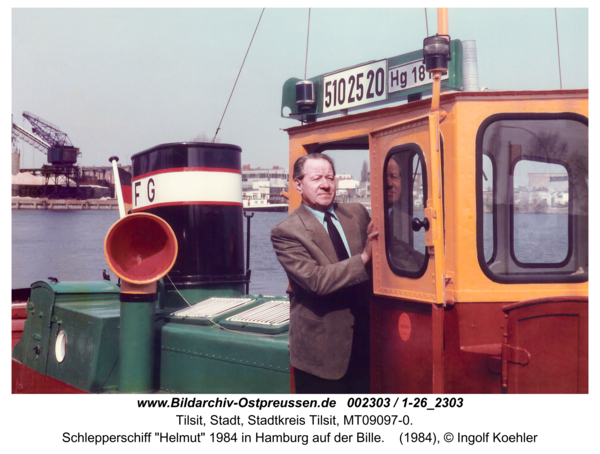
point(404, 327)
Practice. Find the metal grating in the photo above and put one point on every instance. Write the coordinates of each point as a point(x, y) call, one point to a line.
point(211, 307)
point(273, 313)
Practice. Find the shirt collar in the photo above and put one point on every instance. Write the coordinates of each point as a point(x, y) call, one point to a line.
point(320, 215)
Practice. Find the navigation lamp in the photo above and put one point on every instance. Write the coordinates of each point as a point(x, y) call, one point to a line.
point(305, 95)
point(436, 53)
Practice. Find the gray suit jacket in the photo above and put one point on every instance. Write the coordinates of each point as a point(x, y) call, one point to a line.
point(330, 299)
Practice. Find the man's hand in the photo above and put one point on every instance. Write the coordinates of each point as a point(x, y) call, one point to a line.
point(373, 235)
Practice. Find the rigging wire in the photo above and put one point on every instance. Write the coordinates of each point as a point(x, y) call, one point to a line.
point(307, 36)
point(426, 23)
point(558, 48)
point(238, 76)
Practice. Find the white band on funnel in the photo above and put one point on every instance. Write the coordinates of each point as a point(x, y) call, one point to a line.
point(187, 186)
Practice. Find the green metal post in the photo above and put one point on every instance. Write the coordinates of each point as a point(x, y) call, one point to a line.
point(137, 347)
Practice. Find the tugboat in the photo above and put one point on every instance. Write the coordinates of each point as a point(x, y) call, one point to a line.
point(480, 306)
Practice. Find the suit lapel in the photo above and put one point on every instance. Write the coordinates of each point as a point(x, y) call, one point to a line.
point(351, 230)
point(319, 235)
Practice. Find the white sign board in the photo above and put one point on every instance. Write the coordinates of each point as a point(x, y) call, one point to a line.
point(354, 87)
point(409, 75)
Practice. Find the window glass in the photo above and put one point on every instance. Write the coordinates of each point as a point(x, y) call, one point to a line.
point(533, 198)
point(487, 175)
point(405, 195)
point(540, 212)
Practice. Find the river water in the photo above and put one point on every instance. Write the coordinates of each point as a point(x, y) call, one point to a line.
point(69, 245)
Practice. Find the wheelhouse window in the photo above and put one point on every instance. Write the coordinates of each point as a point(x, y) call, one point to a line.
point(405, 193)
point(532, 198)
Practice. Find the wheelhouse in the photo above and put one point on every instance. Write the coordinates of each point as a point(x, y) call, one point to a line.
point(489, 222)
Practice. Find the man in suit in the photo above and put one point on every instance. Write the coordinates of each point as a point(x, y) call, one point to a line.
point(324, 249)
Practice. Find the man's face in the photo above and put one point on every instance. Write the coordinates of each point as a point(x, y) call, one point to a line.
point(317, 188)
point(393, 181)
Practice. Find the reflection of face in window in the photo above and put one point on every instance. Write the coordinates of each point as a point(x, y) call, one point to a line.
point(399, 237)
point(393, 181)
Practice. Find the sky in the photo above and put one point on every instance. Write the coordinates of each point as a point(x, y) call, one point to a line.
point(120, 81)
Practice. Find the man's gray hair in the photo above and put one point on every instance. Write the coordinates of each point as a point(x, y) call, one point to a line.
point(299, 164)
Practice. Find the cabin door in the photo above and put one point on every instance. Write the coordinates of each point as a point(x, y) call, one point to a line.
point(408, 273)
point(406, 207)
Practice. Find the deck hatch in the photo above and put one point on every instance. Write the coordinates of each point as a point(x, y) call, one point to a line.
point(273, 313)
point(211, 308)
point(272, 317)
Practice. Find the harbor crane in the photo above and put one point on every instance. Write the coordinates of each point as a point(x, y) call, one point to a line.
point(44, 136)
point(61, 150)
point(62, 155)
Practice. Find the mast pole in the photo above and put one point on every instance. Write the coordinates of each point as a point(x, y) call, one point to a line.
point(436, 212)
point(118, 192)
point(442, 14)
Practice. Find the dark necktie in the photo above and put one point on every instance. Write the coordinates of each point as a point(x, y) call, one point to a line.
point(336, 239)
